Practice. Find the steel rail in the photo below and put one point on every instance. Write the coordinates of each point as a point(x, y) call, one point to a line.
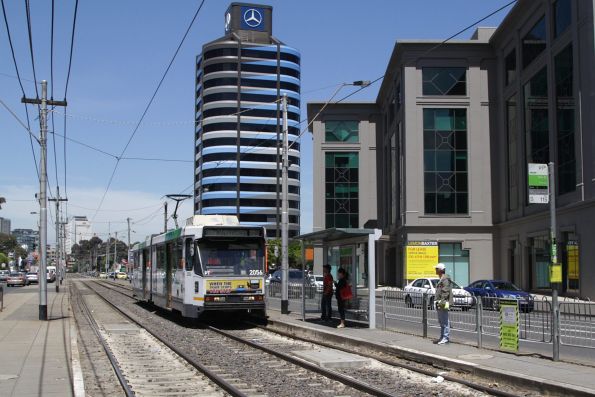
point(394, 363)
point(346, 380)
point(228, 387)
point(95, 327)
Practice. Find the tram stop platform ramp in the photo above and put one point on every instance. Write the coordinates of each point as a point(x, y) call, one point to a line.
point(35, 355)
point(327, 358)
point(542, 375)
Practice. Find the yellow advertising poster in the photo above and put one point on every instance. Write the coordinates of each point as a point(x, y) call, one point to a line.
point(556, 273)
point(573, 261)
point(227, 286)
point(422, 256)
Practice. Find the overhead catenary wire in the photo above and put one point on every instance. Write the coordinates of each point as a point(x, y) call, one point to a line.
point(147, 107)
point(22, 88)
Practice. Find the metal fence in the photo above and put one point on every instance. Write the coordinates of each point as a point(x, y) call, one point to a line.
point(577, 324)
point(414, 313)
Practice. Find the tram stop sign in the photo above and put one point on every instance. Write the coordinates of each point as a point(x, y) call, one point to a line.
point(509, 324)
point(538, 184)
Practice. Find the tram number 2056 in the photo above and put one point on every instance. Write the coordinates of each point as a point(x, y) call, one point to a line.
point(255, 272)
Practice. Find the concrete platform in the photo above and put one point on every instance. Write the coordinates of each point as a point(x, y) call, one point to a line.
point(329, 358)
point(35, 356)
point(539, 374)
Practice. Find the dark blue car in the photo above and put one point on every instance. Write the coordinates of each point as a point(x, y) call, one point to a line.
point(491, 291)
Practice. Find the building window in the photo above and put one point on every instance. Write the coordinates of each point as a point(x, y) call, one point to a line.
point(562, 15)
point(539, 258)
point(513, 147)
point(444, 81)
point(536, 118)
point(566, 160)
point(456, 260)
point(534, 42)
point(341, 190)
point(510, 66)
point(341, 131)
point(394, 194)
point(445, 161)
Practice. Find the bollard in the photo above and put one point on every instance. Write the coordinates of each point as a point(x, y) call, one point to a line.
point(424, 317)
point(479, 321)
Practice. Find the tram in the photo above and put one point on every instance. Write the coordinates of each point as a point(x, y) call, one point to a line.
point(211, 264)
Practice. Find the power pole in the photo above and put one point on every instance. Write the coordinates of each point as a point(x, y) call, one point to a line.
point(165, 217)
point(58, 199)
point(128, 220)
point(284, 217)
point(109, 235)
point(43, 204)
point(116, 249)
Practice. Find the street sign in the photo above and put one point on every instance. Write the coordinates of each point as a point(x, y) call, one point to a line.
point(509, 324)
point(538, 181)
point(556, 273)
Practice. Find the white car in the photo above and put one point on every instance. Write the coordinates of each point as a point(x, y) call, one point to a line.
point(317, 280)
point(414, 292)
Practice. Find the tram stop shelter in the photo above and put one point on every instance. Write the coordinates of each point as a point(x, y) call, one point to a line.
point(355, 251)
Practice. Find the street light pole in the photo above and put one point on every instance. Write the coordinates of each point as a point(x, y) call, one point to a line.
point(284, 217)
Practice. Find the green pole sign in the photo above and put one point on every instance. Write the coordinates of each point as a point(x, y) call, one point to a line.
point(538, 181)
point(509, 325)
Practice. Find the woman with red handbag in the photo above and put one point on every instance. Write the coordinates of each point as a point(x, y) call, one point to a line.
point(343, 294)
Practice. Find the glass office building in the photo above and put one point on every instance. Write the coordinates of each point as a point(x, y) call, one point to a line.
point(240, 80)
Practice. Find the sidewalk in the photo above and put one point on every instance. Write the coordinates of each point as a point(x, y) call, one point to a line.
point(35, 356)
point(547, 376)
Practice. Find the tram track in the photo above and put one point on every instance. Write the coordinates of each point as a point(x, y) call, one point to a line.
point(339, 381)
point(144, 364)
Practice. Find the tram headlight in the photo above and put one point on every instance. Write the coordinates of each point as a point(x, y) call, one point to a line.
point(219, 299)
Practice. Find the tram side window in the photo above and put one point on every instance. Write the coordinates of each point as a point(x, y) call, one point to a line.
point(189, 254)
point(177, 260)
point(160, 266)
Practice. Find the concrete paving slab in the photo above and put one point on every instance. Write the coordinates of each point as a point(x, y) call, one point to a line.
point(329, 358)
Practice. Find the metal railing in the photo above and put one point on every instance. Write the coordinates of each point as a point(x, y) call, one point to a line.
point(577, 324)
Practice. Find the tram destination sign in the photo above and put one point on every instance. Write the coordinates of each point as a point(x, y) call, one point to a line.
point(538, 180)
point(232, 232)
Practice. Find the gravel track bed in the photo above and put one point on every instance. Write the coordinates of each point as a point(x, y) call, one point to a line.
point(272, 376)
point(98, 373)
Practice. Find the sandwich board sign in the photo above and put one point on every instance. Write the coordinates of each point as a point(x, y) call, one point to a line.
point(538, 179)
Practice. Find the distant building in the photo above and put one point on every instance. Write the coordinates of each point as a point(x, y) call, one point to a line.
point(240, 79)
point(79, 228)
point(27, 237)
point(4, 225)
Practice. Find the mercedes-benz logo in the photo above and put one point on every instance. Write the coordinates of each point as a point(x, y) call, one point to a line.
point(252, 17)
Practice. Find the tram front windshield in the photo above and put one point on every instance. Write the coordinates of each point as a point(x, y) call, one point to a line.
point(227, 258)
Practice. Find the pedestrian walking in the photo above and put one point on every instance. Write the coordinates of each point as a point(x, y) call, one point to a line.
point(343, 294)
point(443, 301)
point(327, 294)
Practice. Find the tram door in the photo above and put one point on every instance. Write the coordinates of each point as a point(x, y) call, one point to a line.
point(169, 270)
point(145, 264)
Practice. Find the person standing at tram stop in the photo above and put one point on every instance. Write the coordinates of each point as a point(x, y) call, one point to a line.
point(340, 285)
point(327, 294)
point(443, 301)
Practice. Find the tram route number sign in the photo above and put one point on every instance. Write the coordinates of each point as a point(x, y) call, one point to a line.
point(509, 325)
point(538, 180)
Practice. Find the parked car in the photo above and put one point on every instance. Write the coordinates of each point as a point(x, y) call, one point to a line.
point(317, 280)
point(16, 279)
point(491, 291)
point(415, 289)
point(4, 275)
point(295, 281)
point(32, 277)
point(102, 275)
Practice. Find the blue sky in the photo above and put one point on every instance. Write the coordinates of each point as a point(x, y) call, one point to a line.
point(121, 50)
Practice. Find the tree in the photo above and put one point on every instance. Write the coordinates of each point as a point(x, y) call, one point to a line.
point(294, 253)
point(3, 260)
point(8, 243)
